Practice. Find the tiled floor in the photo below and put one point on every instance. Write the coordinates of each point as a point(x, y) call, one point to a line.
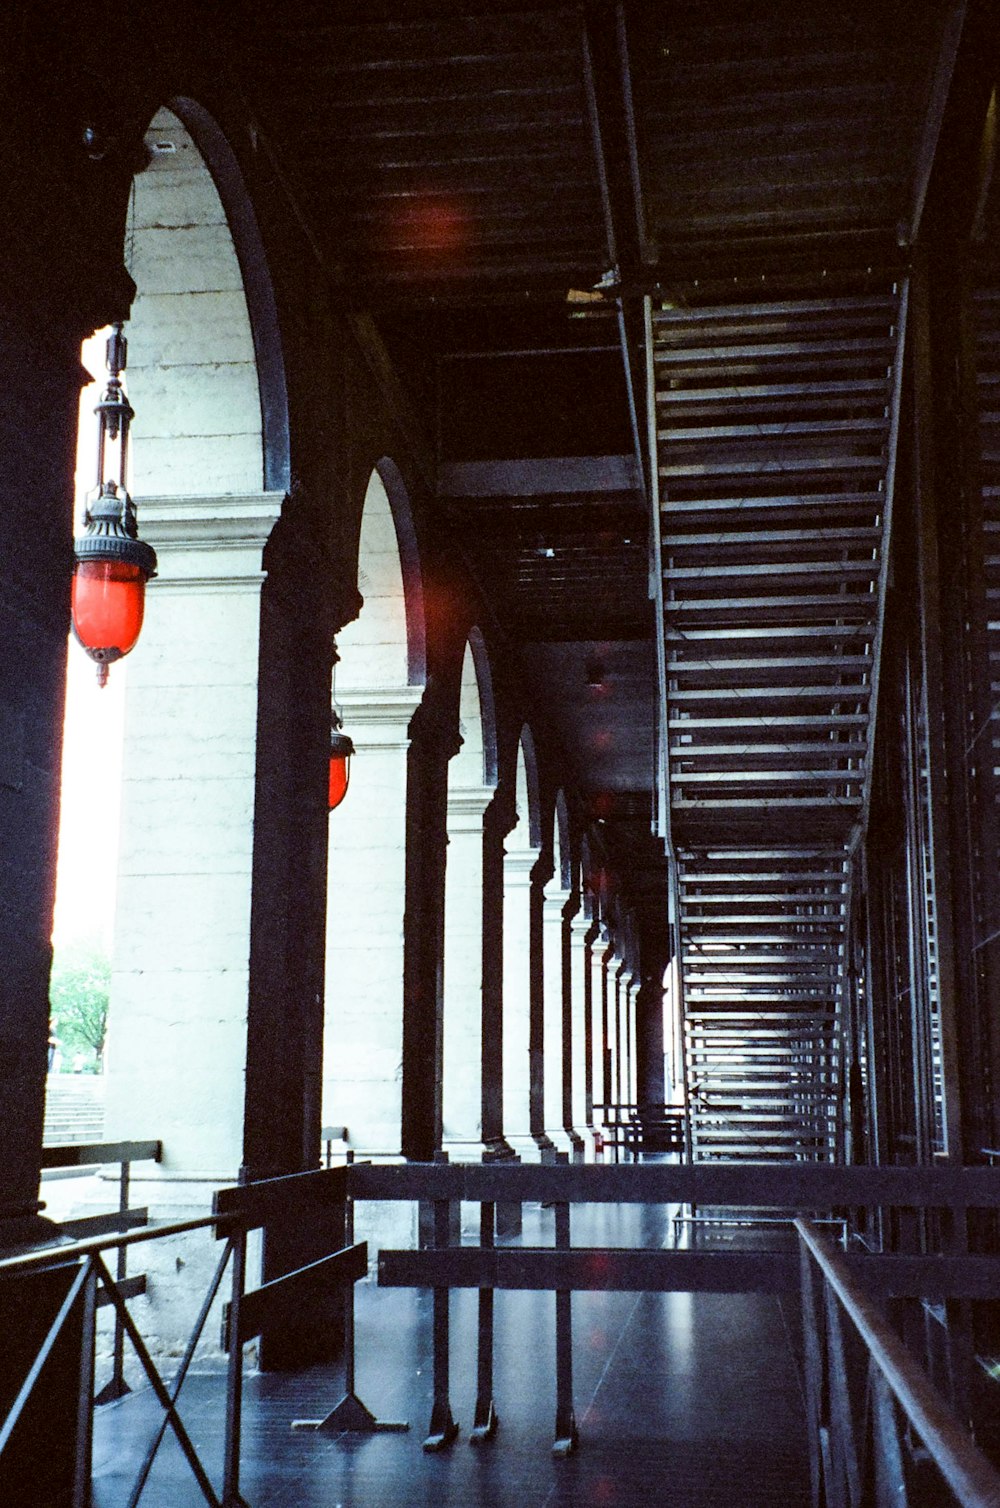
point(691, 1400)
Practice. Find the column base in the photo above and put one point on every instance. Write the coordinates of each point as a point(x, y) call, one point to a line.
point(22, 1232)
point(560, 1140)
point(527, 1147)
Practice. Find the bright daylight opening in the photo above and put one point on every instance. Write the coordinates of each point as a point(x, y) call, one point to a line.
point(87, 872)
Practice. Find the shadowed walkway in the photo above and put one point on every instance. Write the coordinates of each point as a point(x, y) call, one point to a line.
point(688, 1399)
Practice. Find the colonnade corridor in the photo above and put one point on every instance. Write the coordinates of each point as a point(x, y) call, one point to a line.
point(692, 1400)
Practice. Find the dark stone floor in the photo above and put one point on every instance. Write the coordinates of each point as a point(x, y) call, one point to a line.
point(691, 1400)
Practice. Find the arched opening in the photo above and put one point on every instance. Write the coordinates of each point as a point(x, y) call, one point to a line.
point(470, 790)
point(209, 428)
point(177, 1033)
point(378, 687)
point(520, 857)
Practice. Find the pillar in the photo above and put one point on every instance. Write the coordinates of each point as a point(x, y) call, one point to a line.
point(38, 422)
point(555, 1058)
point(462, 1088)
point(517, 897)
point(177, 1025)
point(599, 1031)
point(366, 903)
point(581, 1098)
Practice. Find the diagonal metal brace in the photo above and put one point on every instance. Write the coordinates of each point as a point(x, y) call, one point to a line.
point(158, 1386)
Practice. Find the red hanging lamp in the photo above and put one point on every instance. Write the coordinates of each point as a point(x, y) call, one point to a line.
point(341, 750)
point(112, 563)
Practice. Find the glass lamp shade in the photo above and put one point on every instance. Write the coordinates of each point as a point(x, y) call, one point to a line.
point(341, 750)
point(340, 775)
point(108, 597)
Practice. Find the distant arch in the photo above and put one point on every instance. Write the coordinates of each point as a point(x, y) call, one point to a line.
point(378, 685)
point(398, 498)
point(471, 781)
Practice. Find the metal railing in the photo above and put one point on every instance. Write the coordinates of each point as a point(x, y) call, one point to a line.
point(105, 1154)
point(901, 1399)
point(80, 1268)
point(869, 1403)
point(564, 1269)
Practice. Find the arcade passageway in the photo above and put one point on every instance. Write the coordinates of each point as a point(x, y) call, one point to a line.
point(681, 1398)
point(543, 532)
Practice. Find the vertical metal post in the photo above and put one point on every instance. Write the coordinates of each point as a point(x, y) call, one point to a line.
point(83, 1468)
point(116, 1386)
point(566, 1439)
point(813, 1375)
point(485, 1423)
point(234, 1388)
point(350, 1415)
point(349, 1292)
point(443, 1429)
point(119, 1387)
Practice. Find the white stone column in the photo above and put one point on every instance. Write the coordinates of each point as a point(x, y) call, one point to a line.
point(630, 1078)
point(177, 1033)
point(517, 867)
point(616, 982)
point(578, 965)
point(462, 1090)
point(556, 1067)
point(598, 1016)
point(366, 896)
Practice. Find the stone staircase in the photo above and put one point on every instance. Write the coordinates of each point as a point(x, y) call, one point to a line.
point(74, 1108)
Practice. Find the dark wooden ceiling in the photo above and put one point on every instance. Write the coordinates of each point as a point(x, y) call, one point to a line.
point(473, 172)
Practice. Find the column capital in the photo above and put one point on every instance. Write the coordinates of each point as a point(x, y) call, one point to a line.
point(209, 543)
point(379, 716)
point(519, 862)
point(554, 903)
point(467, 804)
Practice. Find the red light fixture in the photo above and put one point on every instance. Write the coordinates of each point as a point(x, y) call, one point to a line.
point(112, 562)
point(341, 750)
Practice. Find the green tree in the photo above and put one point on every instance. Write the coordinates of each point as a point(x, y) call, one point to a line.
point(79, 991)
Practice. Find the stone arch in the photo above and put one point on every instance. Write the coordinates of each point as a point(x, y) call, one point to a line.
point(398, 498)
point(378, 685)
point(205, 372)
point(258, 289)
point(471, 783)
point(205, 377)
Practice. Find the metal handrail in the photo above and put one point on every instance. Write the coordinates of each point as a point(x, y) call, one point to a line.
point(42, 1256)
point(968, 1473)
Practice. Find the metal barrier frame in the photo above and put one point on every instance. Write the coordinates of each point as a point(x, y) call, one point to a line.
point(858, 1453)
point(563, 1269)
